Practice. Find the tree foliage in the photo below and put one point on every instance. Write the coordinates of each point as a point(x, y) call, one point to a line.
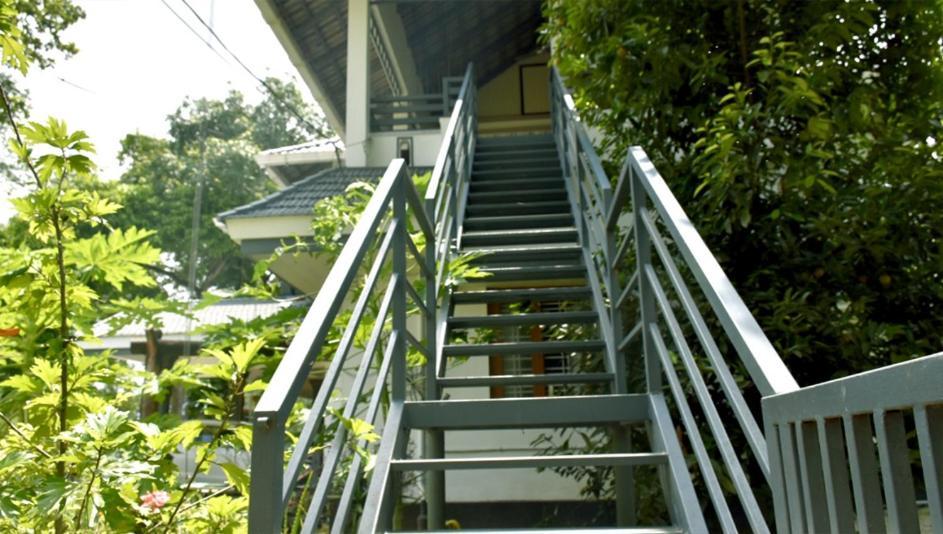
point(216, 141)
point(801, 138)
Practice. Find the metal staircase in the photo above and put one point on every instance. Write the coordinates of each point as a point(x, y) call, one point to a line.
point(592, 287)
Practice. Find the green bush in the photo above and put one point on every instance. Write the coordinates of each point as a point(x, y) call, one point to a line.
point(801, 137)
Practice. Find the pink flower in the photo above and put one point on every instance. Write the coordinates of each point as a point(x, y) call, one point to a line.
point(155, 500)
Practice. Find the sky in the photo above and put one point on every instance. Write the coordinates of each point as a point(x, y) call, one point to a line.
point(137, 62)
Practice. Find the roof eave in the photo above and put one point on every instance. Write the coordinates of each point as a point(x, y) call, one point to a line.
point(270, 14)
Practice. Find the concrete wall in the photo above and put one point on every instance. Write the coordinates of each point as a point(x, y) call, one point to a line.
point(382, 146)
point(518, 99)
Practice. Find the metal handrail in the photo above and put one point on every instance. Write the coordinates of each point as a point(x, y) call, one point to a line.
point(640, 204)
point(819, 434)
point(394, 205)
point(590, 196)
point(448, 188)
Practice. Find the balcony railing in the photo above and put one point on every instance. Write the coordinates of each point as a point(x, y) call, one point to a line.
point(821, 434)
point(414, 112)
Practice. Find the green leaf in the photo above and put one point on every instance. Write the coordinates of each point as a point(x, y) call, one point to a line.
point(236, 476)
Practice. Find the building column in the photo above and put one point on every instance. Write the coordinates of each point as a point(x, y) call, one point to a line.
point(358, 82)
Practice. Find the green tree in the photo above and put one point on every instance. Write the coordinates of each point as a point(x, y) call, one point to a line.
point(801, 138)
point(215, 141)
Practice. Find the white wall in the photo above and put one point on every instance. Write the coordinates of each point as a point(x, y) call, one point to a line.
point(382, 146)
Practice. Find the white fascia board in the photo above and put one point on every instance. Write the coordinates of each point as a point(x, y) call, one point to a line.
point(268, 159)
point(284, 37)
point(284, 227)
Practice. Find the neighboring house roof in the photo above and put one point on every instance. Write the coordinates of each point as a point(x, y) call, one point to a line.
point(176, 327)
point(299, 198)
point(289, 164)
point(442, 36)
point(172, 324)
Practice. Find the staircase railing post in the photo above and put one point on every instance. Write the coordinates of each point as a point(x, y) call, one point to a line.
point(643, 256)
point(265, 504)
point(433, 440)
point(398, 368)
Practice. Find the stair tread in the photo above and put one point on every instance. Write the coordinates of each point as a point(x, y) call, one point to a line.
point(523, 379)
point(532, 412)
point(521, 205)
point(527, 183)
point(626, 530)
point(501, 195)
point(498, 219)
point(564, 317)
point(514, 462)
point(535, 247)
point(520, 231)
point(523, 347)
point(530, 293)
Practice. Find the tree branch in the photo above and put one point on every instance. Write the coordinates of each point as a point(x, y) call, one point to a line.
point(174, 276)
point(23, 436)
point(16, 132)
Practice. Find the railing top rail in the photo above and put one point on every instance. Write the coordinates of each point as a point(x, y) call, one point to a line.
point(901, 385)
point(599, 175)
point(291, 373)
point(767, 369)
point(433, 187)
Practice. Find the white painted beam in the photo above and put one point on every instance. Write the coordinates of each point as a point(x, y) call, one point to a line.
point(358, 82)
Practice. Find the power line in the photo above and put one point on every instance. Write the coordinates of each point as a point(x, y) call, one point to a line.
point(193, 31)
point(298, 115)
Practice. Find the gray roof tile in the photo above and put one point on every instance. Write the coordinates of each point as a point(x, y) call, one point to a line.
point(299, 198)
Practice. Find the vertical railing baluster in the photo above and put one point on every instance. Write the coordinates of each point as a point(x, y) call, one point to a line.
point(398, 386)
point(813, 483)
point(895, 471)
point(929, 423)
point(791, 478)
point(777, 477)
point(433, 444)
point(265, 506)
point(864, 474)
point(841, 515)
point(643, 258)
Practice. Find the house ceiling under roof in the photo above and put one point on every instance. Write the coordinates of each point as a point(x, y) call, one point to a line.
point(443, 36)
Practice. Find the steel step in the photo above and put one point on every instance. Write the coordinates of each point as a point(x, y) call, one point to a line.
point(566, 317)
point(562, 234)
point(531, 207)
point(516, 162)
point(507, 222)
point(509, 273)
point(515, 140)
point(626, 530)
point(534, 195)
point(481, 186)
point(535, 412)
point(515, 153)
point(523, 380)
point(535, 462)
point(523, 347)
point(519, 253)
point(548, 171)
point(564, 293)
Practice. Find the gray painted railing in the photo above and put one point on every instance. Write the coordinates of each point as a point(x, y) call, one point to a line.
point(383, 234)
point(817, 455)
point(821, 434)
point(416, 111)
point(621, 233)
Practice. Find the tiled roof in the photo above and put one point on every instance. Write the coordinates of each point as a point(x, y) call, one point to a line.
point(299, 198)
point(319, 145)
point(221, 312)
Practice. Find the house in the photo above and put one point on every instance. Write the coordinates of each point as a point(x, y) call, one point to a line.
point(605, 318)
